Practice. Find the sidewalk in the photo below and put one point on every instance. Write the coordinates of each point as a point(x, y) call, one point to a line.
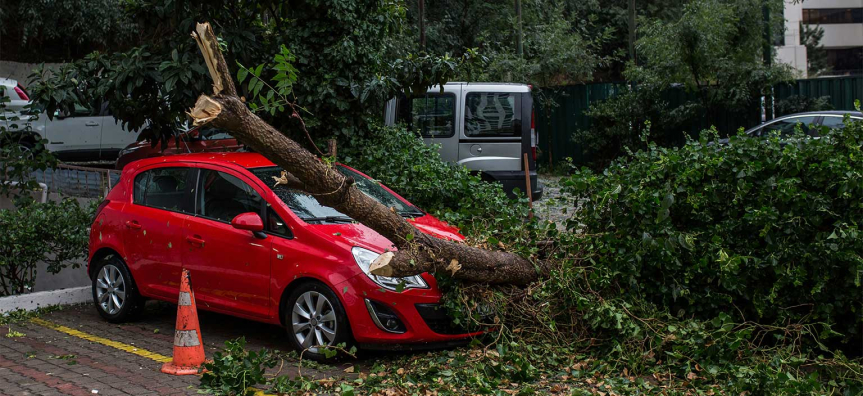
point(75, 352)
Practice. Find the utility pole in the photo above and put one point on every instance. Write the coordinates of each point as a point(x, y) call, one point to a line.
point(631, 30)
point(518, 42)
point(422, 17)
point(768, 59)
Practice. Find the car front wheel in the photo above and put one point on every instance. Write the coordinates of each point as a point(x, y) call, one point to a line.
point(315, 319)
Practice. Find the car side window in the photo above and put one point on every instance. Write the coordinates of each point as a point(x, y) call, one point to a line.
point(833, 122)
point(163, 188)
point(432, 115)
point(786, 127)
point(490, 114)
point(223, 196)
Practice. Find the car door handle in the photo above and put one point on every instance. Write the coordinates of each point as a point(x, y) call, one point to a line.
point(479, 149)
point(195, 240)
point(91, 123)
point(133, 224)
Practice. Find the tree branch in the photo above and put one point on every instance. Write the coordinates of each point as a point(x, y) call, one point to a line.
point(416, 252)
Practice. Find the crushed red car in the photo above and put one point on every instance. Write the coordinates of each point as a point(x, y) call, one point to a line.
point(260, 251)
point(198, 140)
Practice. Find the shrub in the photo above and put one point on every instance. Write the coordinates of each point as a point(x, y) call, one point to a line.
point(53, 233)
point(763, 228)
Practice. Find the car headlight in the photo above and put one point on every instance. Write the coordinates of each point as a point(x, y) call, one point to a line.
point(364, 259)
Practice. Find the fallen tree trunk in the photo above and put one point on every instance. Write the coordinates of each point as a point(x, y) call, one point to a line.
point(417, 252)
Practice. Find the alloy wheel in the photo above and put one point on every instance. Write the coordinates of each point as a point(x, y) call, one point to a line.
point(314, 321)
point(110, 289)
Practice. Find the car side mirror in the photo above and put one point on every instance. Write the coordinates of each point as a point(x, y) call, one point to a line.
point(250, 221)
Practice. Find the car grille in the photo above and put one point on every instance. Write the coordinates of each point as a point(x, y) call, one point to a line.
point(437, 319)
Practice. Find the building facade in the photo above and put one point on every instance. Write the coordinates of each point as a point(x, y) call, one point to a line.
point(841, 44)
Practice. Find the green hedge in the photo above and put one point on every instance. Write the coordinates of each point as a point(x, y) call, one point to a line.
point(764, 230)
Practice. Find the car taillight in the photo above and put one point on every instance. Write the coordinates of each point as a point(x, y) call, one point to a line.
point(534, 139)
point(21, 94)
point(99, 208)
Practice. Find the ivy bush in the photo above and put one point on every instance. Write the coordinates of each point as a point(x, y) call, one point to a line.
point(766, 230)
point(53, 233)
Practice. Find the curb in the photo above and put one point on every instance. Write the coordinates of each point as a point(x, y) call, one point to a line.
point(33, 301)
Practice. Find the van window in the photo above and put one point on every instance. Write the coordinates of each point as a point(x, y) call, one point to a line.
point(163, 188)
point(489, 114)
point(432, 115)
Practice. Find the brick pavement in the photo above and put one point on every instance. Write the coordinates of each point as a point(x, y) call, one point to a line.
point(46, 361)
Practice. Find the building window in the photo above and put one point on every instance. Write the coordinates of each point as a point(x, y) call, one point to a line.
point(845, 60)
point(826, 16)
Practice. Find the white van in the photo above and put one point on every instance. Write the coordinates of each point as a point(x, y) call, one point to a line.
point(486, 127)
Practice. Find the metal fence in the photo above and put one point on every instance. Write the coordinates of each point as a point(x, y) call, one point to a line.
point(557, 123)
point(78, 181)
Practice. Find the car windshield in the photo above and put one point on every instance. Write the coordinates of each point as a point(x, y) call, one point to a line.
point(309, 209)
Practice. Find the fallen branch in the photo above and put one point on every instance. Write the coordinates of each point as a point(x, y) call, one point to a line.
point(416, 252)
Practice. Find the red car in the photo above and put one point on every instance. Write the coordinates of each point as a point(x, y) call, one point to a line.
point(198, 140)
point(260, 251)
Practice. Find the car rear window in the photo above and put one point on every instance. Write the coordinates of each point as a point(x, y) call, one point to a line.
point(306, 207)
point(491, 114)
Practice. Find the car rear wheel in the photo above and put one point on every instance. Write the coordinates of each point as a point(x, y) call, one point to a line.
point(114, 292)
point(315, 319)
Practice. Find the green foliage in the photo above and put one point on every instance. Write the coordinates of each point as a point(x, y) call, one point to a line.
point(817, 63)
point(57, 30)
point(709, 56)
point(618, 124)
point(234, 370)
point(799, 104)
point(21, 152)
point(53, 233)
point(712, 48)
point(767, 226)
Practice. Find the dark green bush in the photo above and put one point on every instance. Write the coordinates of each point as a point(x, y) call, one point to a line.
point(53, 233)
point(761, 229)
point(799, 104)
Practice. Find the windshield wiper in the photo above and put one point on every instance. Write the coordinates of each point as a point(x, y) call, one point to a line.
point(329, 219)
point(412, 213)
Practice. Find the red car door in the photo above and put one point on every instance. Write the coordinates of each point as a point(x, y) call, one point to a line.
point(230, 268)
point(161, 202)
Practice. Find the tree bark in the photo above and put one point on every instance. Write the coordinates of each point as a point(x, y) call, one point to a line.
point(416, 252)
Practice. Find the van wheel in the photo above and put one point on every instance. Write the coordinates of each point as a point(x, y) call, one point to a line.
point(114, 292)
point(315, 318)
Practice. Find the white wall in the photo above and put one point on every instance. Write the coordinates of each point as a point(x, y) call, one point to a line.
point(792, 52)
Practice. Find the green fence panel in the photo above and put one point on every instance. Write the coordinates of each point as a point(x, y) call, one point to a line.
point(557, 122)
point(842, 91)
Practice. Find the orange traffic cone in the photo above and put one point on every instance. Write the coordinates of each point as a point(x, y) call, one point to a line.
point(188, 346)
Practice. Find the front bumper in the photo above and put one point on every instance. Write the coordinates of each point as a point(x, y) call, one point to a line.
point(515, 179)
point(421, 330)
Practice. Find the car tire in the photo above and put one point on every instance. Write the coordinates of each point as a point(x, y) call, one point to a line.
point(327, 321)
point(115, 294)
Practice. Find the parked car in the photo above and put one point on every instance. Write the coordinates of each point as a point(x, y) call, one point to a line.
point(198, 140)
point(810, 123)
point(487, 127)
point(260, 252)
point(18, 97)
point(86, 134)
